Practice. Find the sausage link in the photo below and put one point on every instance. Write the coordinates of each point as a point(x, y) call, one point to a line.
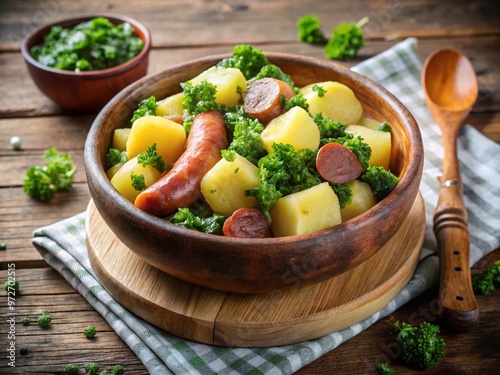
point(180, 187)
point(337, 164)
point(263, 99)
point(247, 223)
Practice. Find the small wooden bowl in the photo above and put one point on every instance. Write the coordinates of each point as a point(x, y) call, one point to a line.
point(257, 265)
point(86, 91)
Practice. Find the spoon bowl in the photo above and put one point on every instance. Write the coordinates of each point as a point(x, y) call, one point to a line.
point(451, 89)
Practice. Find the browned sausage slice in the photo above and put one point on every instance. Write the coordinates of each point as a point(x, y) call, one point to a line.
point(247, 223)
point(337, 164)
point(263, 99)
point(180, 187)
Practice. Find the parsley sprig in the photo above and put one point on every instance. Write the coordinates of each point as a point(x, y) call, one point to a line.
point(148, 157)
point(345, 41)
point(42, 182)
point(151, 157)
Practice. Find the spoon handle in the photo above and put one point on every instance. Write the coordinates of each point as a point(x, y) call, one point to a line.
point(456, 295)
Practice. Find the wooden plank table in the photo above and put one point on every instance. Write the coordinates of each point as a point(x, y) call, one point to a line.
point(183, 30)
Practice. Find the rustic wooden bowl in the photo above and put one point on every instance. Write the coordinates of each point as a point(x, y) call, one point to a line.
point(85, 91)
point(257, 265)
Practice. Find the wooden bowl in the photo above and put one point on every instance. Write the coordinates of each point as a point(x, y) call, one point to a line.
point(86, 91)
point(257, 265)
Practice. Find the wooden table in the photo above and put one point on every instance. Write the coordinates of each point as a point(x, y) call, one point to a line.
point(182, 30)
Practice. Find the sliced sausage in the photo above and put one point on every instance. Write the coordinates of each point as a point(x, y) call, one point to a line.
point(337, 164)
point(180, 187)
point(263, 99)
point(247, 223)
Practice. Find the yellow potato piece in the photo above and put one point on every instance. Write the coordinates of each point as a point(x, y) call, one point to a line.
point(231, 84)
point(294, 127)
point(338, 102)
point(170, 106)
point(306, 211)
point(112, 171)
point(379, 141)
point(224, 185)
point(369, 123)
point(169, 136)
point(122, 179)
point(362, 200)
point(120, 137)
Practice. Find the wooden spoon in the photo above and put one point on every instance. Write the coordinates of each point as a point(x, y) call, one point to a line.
point(451, 89)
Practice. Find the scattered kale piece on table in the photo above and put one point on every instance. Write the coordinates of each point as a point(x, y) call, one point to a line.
point(57, 174)
point(309, 27)
point(421, 347)
point(484, 283)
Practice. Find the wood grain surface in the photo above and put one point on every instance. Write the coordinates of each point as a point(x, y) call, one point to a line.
point(255, 320)
point(183, 30)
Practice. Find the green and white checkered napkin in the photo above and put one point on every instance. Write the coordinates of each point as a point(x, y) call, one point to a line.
point(62, 245)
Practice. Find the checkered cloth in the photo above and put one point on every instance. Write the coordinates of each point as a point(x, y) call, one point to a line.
point(398, 69)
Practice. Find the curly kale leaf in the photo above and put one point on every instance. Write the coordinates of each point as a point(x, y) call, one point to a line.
point(319, 90)
point(198, 99)
point(421, 347)
point(246, 136)
point(195, 220)
point(273, 71)
point(384, 127)
point(343, 192)
point(254, 64)
point(138, 181)
point(296, 101)
point(151, 157)
point(329, 128)
point(147, 107)
point(381, 181)
point(57, 174)
point(346, 40)
point(385, 369)
point(247, 59)
point(309, 28)
point(115, 157)
point(484, 282)
point(283, 172)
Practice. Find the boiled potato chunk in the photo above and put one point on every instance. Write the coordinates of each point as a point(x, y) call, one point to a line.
point(294, 127)
point(369, 123)
point(224, 185)
point(379, 141)
point(362, 200)
point(169, 136)
point(231, 84)
point(307, 211)
point(120, 137)
point(122, 179)
point(171, 106)
point(112, 171)
point(337, 102)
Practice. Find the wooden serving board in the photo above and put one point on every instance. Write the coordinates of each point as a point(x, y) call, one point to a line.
point(254, 320)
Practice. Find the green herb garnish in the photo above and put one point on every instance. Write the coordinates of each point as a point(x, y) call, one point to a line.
point(346, 40)
point(57, 174)
point(309, 27)
point(91, 45)
point(138, 182)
